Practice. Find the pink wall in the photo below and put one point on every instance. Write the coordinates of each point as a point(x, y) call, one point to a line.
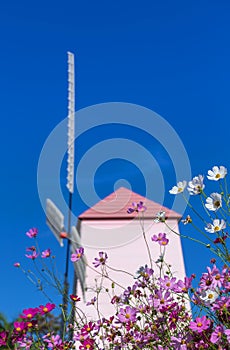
point(126, 249)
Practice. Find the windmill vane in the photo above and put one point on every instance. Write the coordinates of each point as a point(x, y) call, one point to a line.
point(71, 115)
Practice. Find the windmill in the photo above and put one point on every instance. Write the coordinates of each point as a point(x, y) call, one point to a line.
point(54, 217)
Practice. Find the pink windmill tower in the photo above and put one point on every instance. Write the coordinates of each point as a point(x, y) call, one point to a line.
point(107, 228)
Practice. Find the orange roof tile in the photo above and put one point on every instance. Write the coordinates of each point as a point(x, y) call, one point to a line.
point(115, 206)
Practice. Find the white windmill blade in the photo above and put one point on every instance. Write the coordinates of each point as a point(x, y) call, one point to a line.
point(55, 220)
point(79, 266)
point(76, 244)
point(71, 124)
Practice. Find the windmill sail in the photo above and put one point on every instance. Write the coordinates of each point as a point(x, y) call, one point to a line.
point(71, 117)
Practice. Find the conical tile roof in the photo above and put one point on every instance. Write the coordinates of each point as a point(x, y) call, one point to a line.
point(115, 206)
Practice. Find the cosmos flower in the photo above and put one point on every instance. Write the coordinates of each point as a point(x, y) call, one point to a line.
point(19, 326)
point(17, 264)
point(187, 220)
point(179, 188)
point(217, 334)
point(74, 297)
point(3, 338)
point(32, 256)
point(46, 253)
point(196, 185)
point(44, 309)
point(127, 315)
point(208, 296)
point(161, 239)
point(216, 226)
point(29, 313)
point(101, 260)
point(214, 202)
point(160, 217)
point(77, 255)
point(217, 173)
point(32, 233)
point(200, 324)
point(137, 207)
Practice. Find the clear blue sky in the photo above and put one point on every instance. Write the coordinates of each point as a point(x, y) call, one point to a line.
point(169, 56)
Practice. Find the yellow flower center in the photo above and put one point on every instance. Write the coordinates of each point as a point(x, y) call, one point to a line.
point(29, 316)
point(216, 228)
point(127, 315)
point(199, 324)
point(18, 329)
point(180, 189)
point(45, 309)
point(217, 176)
point(210, 296)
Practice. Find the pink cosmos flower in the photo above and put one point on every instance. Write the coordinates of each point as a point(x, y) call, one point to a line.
point(53, 342)
point(161, 239)
point(167, 282)
point(46, 253)
point(217, 334)
point(77, 256)
point(227, 333)
point(25, 343)
point(200, 324)
point(101, 260)
point(127, 315)
point(32, 233)
point(17, 264)
point(32, 256)
point(45, 309)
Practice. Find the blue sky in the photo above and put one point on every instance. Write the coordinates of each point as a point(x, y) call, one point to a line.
point(170, 57)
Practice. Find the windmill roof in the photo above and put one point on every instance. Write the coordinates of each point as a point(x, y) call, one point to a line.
point(115, 206)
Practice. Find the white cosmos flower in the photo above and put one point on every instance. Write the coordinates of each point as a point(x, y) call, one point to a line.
point(216, 226)
point(208, 296)
point(160, 217)
point(179, 188)
point(196, 185)
point(217, 173)
point(214, 202)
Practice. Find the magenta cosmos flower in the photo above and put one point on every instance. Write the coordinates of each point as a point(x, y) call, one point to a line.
point(44, 309)
point(127, 315)
point(74, 297)
point(77, 255)
point(29, 313)
point(101, 260)
point(3, 338)
point(200, 324)
point(32, 233)
point(19, 326)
